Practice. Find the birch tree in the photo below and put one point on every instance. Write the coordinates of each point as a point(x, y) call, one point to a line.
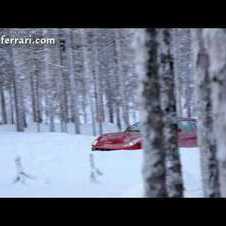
point(51, 71)
point(4, 81)
point(88, 73)
point(3, 104)
point(184, 70)
point(64, 79)
point(73, 82)
point(35, 72)
point(4, 118)
point(17, 55)
point(214, 44)
point(18, 91)
point(161, 167)
point(206, 135)
point(154, 168)
point(122, 75)
point(98, 92)
point(168, 102)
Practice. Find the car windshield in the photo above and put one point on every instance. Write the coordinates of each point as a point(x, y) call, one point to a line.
point(134, 128)
point(187, 126)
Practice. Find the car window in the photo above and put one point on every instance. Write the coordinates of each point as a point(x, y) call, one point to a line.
point(134, 128)
point(187, 126)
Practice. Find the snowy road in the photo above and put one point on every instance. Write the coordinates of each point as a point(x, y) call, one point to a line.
point(60, 166)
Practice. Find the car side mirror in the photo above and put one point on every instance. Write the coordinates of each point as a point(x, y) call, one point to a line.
point(179, 130)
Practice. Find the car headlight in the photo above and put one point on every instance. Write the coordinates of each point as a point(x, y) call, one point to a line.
point(94, 142)
point(131, 143)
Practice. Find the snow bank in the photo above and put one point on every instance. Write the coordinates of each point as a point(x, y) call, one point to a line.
point(60, 167)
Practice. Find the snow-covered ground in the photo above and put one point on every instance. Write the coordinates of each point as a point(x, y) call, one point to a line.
point(59, 165)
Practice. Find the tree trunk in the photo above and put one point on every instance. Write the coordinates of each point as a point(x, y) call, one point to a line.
point(63, 86)
point(206, 135)
point(74, 86)
point(110, 110)
point(93, 117)
point(3, 105)
point(154, 170)
point(168, 99)
point(97, 84)
point(183, 71)
point(122, 78)
point(34, 111)
point(18, 91)
point(18, 106)
point(86, 73)
point(50, 85)
point(38, 103)
point(11, 104)
point(118, 118)
point(214, 40)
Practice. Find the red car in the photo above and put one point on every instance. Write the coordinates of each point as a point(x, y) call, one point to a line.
point(131, 138)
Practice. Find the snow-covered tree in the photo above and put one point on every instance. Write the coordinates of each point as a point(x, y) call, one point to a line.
point(88, 75)
point(168, 102)
point(184, 71)
point(154, 167)
point(162, 167)
point(206, 135)
point(214, 44)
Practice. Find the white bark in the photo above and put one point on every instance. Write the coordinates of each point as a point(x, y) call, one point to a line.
point(206, 135)
point(214, 40)
point(154, 170)
point(168, 104)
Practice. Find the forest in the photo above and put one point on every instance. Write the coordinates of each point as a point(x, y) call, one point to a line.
point(56, 99)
